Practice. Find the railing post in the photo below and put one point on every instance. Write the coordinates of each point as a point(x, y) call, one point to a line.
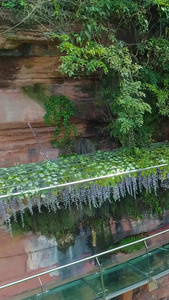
point(41, 285)
point(101, 278)
point(148, 261)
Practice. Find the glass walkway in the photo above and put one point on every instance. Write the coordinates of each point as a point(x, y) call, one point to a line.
point(106, 275)
point(110, 281)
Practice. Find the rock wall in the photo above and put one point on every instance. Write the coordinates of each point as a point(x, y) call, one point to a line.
point(26, 58)
point(17, 143)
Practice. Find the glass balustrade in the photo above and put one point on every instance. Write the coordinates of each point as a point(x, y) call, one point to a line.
point(109, 277)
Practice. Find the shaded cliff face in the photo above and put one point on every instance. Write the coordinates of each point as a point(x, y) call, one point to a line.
point(26, 58)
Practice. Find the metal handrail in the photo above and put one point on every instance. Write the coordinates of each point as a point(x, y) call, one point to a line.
point(82, 181)
point(40, 145)
point(82, 260)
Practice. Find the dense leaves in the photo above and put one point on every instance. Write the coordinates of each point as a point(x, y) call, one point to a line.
point(127, 104)
point(58, 113)
point(35, 176)
point(121, 66)
point(59, 110)
point(14, 5)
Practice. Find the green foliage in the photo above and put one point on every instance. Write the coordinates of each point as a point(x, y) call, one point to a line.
point(14, 5)
point(156, 80)
point(127, 105)
point(89, 53)
point(83, 59)
point(156, 52)
point(66, 221)
point(47, 223)
point(78, 167)
point(144, 203)
point(130, 108)
point(162, 96)
point(59, 110)
point(132, 248)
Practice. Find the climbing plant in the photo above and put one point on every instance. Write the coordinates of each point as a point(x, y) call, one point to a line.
point(53, 184)
point(127, 101)
point(59, 110)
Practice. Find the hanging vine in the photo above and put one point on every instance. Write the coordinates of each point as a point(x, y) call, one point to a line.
point(31, 185)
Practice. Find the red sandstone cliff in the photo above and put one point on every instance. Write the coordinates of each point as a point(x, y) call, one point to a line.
point(26, 58)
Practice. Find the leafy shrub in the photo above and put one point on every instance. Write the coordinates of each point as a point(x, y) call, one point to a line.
point(132, 248)
point(59, 110)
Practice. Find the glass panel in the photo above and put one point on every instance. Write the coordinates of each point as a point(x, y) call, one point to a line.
point(159, 261)
point(95, 282)
point(78, 270)
point(77, 290)
point(120, 277)
point(141, 263)
point(116, 278)
point(122, 255)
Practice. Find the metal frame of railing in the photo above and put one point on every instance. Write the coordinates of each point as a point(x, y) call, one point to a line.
point(82, 181)
point(96, 257)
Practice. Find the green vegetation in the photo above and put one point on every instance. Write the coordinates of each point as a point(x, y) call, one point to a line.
point(65, 223)
point(132, 248)
point(122, 67)
point(78, 167)
point(126, 100)
point(14, 5)
point(144, 203)
point(47, 223)
point(31, 180)
point(59, 110)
